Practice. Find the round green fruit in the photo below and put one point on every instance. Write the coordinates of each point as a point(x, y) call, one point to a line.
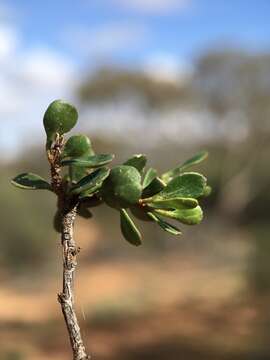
point(123, 187)
point(60, 117)
point(76, 146)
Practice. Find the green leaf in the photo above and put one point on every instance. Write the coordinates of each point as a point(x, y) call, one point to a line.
point(91, 182)
point(140, 212)
point(164, 225)
point(138, 161)
point(123, 187)
point(31, 181)
point(84, 212)
point(129, 229)
point(93, 161)
point(171, 203)
point(195, 160)
point(77, 173)
point(60, 117)
point(149, 177)
point(207, 191)
point(198, 158)
point(90, 201)
point(153, 188)
point(186, 216)
point(77, 146)
point(190, 185)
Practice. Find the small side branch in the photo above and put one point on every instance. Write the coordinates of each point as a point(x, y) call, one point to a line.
point(66, 298)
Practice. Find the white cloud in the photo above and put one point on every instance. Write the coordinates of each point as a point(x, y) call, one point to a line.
point(155, 7)
point(29, 81)
point(8, 41)
point(46, 68)
point(107, 39)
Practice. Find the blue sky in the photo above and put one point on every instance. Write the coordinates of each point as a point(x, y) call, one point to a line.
point(46, 46)
point(178, 27)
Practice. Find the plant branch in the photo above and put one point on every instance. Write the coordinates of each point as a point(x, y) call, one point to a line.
point(69, 249)
point(66, 298)
point(54, 158)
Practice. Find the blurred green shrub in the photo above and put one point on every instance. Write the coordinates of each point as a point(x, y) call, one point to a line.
point(25, 240)
point(12, 355)
point(258, 267)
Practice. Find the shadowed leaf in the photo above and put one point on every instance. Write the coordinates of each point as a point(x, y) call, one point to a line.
point(90, 200)
point(153, 188)
point(91, 182)
point(140, 212)
point(128, 228)
point(149, 177)
point(93, 161)
point(77, 173)
point(138, 161)
point(164, 225)
point(31, 181)
point(84, 212)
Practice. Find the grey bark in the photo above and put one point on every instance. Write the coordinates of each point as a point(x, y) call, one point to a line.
point(70, 251)
point(66, 298)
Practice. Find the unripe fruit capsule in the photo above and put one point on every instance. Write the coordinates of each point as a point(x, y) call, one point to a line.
point(123, 187)
point(60, 117)
point(76, 146)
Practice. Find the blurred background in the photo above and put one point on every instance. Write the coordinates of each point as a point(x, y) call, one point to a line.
point(163, 77)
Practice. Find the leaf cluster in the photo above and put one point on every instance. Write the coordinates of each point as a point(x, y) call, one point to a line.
point(129, 188)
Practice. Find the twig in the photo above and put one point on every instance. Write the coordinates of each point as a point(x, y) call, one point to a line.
point(66, 298)
point(70, 251)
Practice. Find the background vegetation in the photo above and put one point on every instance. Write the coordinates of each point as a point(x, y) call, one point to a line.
point(197, 295)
